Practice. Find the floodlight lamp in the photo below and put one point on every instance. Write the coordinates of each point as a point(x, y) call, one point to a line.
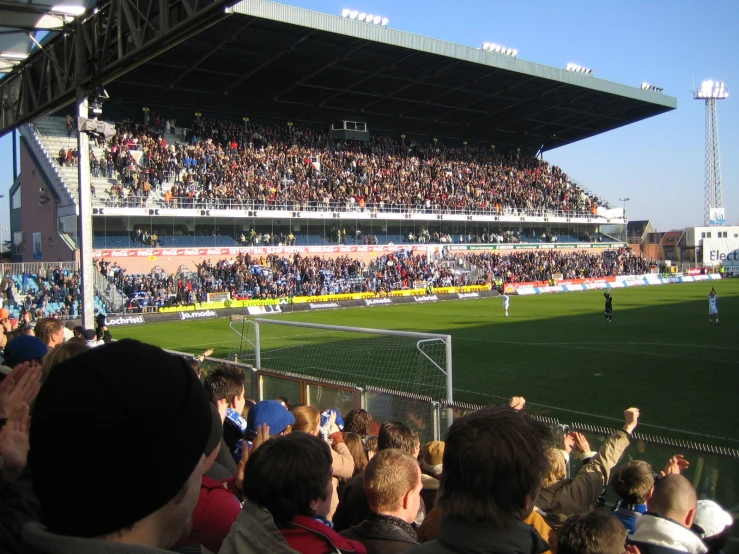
point(515, 53)
point(353, 14)
point(345, 12)
point(385, 21)
point(68, 10)
point(377, 20)
point(509, 51)
point(497, 48)
point(486, 46)
point(13, 55)
point(369, 17)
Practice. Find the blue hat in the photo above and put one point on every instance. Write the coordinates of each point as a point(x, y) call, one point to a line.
point(272, 413)
point(24, 348)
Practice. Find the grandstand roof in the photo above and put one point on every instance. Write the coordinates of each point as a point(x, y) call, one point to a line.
point(272, 61)
point(21, 19)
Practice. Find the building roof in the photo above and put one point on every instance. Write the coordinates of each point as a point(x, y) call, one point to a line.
point(672, 238)
point(22, 19)
point(271, 61)
point(637, 227)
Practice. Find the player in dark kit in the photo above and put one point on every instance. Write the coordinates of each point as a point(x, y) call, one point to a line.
point(609, 307)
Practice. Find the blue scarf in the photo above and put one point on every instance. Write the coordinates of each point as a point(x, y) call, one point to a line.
point(323, 520)
point(235, 417)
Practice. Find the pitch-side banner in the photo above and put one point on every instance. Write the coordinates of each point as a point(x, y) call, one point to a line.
point(717, 252)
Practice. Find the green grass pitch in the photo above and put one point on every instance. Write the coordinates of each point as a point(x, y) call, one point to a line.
point(659, 354)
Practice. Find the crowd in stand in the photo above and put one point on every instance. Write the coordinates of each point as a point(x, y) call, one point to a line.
point(541, 265)
point(300, 168)
point(282, 276)
point(54, 291)
point(128, 451)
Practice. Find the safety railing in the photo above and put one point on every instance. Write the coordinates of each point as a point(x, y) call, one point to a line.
point(334, 207)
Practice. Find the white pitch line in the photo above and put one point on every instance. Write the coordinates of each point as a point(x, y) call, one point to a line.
point(713, 347)
point(570, 345)
point(605, 417)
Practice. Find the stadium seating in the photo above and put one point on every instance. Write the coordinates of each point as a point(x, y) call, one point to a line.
point(41, 297)
point(280, 276)
point(283, 167)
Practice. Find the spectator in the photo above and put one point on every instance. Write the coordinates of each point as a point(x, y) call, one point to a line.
point(713, 525)
point(219, 503)
point(561, 497)
point(494, 464)
point(357, 449)
point(591, 533)
point(432, 457)
point(152, 403)
point(273, 168)
point(633, 483)
point(62, 353)
point(225, 389)
point(25, 349)
point(291, 477)
point(14, 452)
point(392, 483)
point(665, 529)
point(92, 339)
point(371, 444)
point(358, 421)
point(271, 413)
point(353, 507)
point(50, 331)
point(308, 420)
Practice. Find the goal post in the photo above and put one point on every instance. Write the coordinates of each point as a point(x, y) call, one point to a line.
point(415, 364)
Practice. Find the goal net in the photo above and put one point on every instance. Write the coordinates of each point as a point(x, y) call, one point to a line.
point(411, 363)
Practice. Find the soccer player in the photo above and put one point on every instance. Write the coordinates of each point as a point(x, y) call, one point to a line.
point(506, 302)
point(609, 307)
point(712, 307)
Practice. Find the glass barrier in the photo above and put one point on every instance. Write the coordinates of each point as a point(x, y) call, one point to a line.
point(273, 387)
point(326, 397)
point(418, 414)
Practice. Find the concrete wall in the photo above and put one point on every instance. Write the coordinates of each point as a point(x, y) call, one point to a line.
point(35, 218)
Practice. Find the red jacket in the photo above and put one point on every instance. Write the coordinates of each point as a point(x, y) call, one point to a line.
point(310, 536)
point(214, 514)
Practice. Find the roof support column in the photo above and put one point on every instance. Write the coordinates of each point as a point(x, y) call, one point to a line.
point(85, 220)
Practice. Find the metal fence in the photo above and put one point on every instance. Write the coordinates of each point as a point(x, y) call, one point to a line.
point(333, 207)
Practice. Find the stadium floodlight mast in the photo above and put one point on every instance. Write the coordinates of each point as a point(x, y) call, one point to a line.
point(575, 68)
point(364, 17)
point(713, 204)
point(624, 200)
point(499, 49)
point(651, 88)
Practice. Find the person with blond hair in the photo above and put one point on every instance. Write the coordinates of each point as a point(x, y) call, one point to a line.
point(308, 420)
point(392, 483)
point(561, 497)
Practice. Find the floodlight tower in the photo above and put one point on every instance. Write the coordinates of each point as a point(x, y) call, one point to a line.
point(713, 204)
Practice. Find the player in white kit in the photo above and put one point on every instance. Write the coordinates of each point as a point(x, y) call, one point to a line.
point(713, 307)
point(506, 302)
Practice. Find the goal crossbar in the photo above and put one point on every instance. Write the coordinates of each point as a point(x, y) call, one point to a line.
point(350, 329)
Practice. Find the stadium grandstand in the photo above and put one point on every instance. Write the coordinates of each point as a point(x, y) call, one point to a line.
point(312, 130)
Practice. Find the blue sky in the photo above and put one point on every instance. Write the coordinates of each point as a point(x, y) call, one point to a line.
point(658, 163)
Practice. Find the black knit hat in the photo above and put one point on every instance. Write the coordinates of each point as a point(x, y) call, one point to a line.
point(116, 432)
